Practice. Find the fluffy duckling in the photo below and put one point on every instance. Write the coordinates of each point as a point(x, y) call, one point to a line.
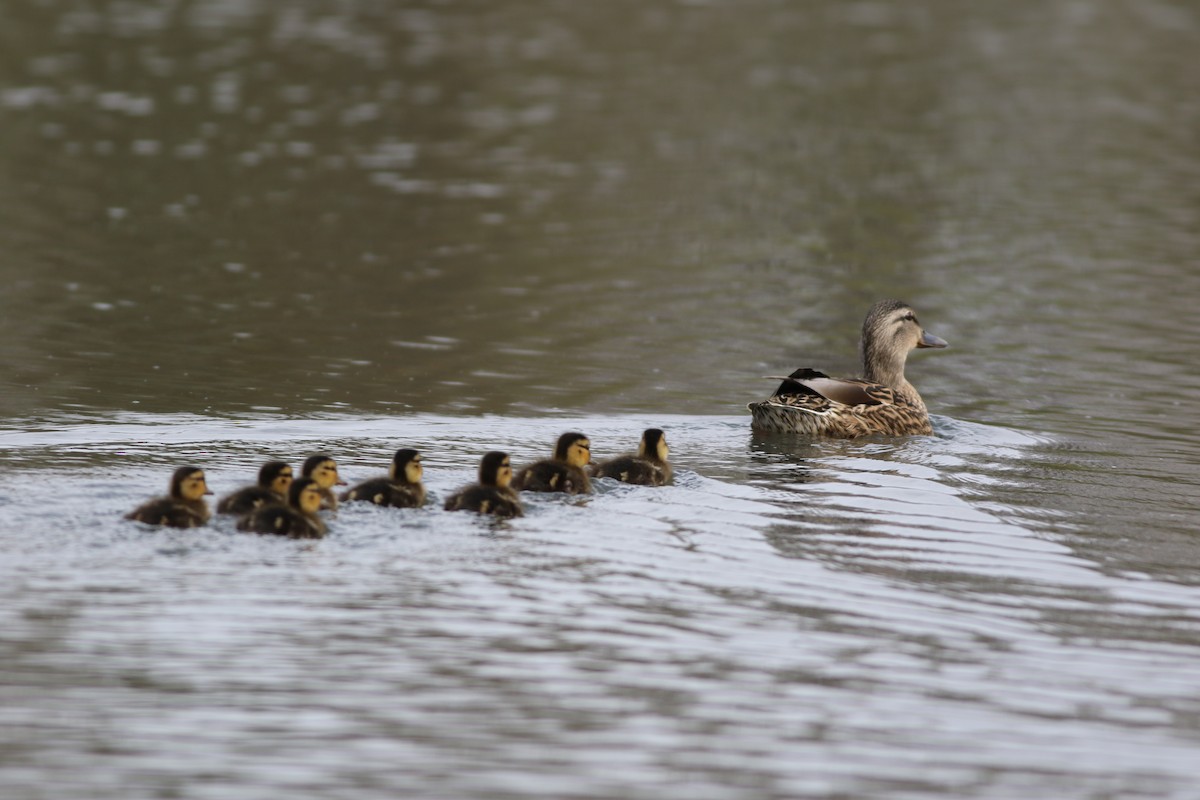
point(562, 473)
point(297, 519)
point(647, 467)
point(402, 488)
point(493, 494)
point(881, 402)
point(184, 505)
point(323, 469)
point(274, 479)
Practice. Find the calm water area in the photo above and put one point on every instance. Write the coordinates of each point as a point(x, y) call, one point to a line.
point(238, 230)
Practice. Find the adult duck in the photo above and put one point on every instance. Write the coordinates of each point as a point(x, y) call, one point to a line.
point(881, 402)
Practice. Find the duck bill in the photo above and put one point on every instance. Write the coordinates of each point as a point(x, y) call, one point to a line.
point(929, 340)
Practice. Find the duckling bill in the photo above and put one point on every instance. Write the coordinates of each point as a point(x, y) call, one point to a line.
point(274, 480)
point(647, 467)
point(493, 494)
point(561, 473)
point(402, 488)
point(881, 402)
point(184, 505)
point(298, 519)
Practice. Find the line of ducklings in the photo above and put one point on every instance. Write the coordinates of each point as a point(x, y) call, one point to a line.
point(284, 505)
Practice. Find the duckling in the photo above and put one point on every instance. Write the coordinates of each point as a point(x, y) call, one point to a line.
point(402, 488)
point(297, 519)
point(493, 494)
point(562, 473)
point(881, 402)
point(323, 469)
point(183, 507)
point(274, 478)
point(647, 467)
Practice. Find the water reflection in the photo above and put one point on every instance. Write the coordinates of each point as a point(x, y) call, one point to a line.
point(261, 202)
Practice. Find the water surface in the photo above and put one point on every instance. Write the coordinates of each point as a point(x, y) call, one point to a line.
point(235, 231)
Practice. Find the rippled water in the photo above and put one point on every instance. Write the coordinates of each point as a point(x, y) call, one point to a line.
point(235, 231)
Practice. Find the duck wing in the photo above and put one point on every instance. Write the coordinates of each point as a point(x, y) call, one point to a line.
point(804, 386)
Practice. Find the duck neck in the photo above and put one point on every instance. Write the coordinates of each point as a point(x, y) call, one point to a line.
point(886, 367)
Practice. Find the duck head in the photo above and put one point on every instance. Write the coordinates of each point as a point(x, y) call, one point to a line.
point(574, 448)
point(305, 495)
point(495, 470)
point(323, 469)
point(889, 332)
point(276, 476)
point(654, 445)
point(406, 466)
point(187, 483)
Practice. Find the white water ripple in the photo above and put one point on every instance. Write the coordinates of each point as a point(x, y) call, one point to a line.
point(788, 618)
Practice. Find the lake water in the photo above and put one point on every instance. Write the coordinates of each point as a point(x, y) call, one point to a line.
point(236, 231)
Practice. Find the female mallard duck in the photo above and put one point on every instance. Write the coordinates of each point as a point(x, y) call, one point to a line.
point(881, 402)
point(297, 519)
point(183, 507)
point(323, 469)
point(647, 467)
point(274, 478)
point(562, 473)
point(493, 494)
point(402, 487)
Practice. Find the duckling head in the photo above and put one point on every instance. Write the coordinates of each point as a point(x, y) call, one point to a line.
point(323, 469)
point(654, 445)
point(889, 332)
point(495, 470)
point(406, 466)
point(305, 494)
point(574, 448)
point(276, 476)
point(187, 483)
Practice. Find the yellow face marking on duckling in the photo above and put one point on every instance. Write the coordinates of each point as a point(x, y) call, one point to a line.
point(413, 470)
point(663, 450)
point(504, 474)
point(326, 474)
point(282, 482)
point(194, 486)
point(310, 499)
point(579, 454)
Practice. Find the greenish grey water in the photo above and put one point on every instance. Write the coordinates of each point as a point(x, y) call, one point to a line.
point(231, 231)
